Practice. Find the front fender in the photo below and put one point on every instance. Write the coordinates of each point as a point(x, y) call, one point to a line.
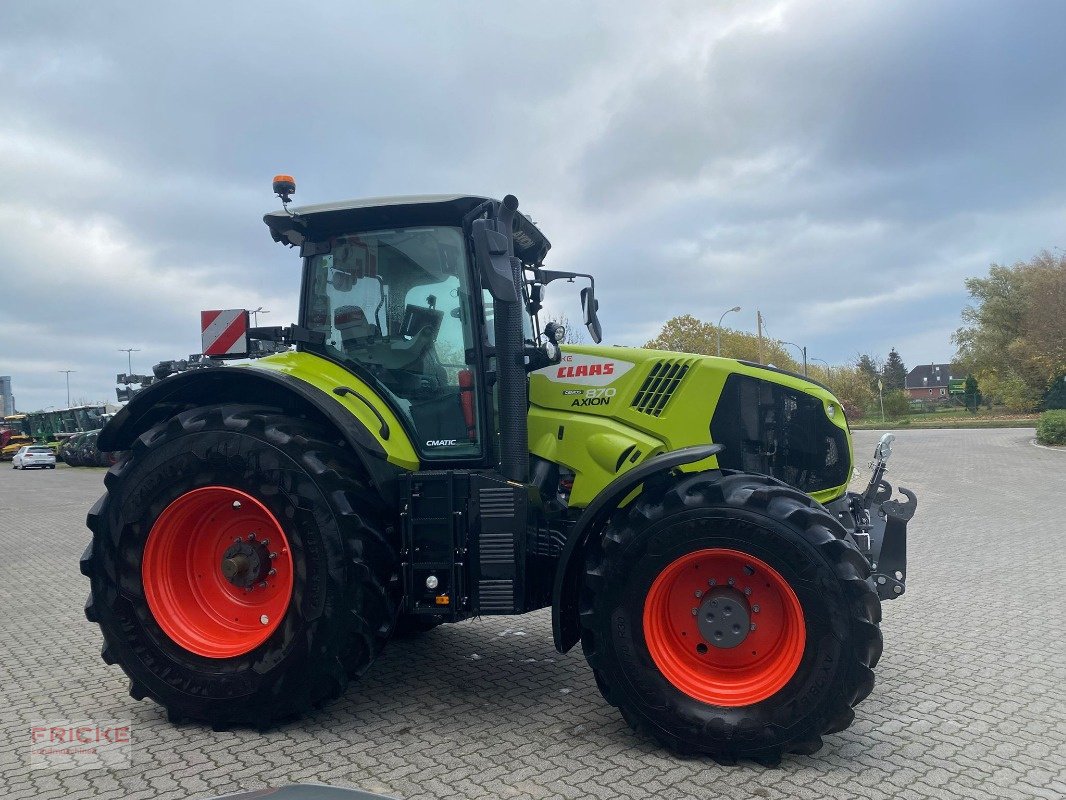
point(565, 624)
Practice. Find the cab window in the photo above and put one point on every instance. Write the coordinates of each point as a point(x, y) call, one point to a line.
point(398, 304)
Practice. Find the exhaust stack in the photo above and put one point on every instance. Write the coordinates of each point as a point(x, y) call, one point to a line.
point(502, 276)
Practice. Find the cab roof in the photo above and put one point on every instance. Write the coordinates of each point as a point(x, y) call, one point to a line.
point(323, 220)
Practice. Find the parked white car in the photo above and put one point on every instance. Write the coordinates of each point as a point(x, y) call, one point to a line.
point(34, 456)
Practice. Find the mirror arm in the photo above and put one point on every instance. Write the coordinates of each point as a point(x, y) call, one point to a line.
point(546, 276)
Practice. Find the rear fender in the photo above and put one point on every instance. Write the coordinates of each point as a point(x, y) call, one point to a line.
point(565, 623)
point(171, 396)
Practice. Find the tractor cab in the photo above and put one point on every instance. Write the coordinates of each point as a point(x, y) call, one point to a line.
point(394, 291)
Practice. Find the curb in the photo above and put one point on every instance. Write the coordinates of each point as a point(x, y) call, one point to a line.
point(1034, 443)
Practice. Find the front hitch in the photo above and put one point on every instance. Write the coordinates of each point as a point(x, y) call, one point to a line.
point(879, 524)
point(888, 543)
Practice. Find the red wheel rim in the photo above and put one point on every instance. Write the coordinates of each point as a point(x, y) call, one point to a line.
point(739, 675)
point(190, 597)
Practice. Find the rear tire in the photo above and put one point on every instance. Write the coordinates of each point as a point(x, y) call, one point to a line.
point(344, 579)
point(716, 700)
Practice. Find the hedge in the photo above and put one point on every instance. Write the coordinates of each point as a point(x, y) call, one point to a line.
point(1051, 429)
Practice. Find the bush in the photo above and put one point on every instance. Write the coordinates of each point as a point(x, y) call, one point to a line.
point(851, 388)
point(1051, 429)
point(896, 405)
point(1018, 396)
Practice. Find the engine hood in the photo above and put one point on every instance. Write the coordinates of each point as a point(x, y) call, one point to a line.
point(666, 400)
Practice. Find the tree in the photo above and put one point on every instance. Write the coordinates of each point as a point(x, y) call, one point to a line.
point(1015, 329)
point(895, 372)
point(871, 369)
point(971, 394)
point(1056, 396)
point(686, 334)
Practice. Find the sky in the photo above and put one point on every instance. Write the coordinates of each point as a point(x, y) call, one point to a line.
point(840, 166)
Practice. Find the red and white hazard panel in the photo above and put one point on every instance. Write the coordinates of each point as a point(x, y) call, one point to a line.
point(224, 333)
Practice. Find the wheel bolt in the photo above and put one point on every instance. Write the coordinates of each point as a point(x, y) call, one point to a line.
point(236, 503)
point(755, 609)
point(265, 620)
point(699, 594)
point(273, 555)
point(251, 536)
point(753, 626)
point(265, 542)
point(272, 573)
point(747, 590)
point(695, 611)
point(732, 582)
point(238, 540)
point(897, 589)
point(712, 582)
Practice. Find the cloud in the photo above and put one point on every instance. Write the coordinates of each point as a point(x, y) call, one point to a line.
point(840, 166)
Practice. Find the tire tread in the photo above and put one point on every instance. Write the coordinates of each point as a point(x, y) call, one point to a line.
point(819, 529)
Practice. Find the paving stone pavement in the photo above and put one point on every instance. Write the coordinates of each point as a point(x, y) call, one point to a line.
point(970, 699)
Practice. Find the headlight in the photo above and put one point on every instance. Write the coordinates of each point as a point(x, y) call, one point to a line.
point(831, 410)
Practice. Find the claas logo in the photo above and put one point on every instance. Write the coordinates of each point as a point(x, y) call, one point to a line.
point(585, 370)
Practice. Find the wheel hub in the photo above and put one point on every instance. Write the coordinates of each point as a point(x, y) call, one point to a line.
point(724, 618)
point(246, 563)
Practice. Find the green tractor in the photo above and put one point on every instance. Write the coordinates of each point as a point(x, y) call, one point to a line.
point(428, 453)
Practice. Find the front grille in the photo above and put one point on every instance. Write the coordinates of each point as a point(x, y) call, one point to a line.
point(773, 430)
point(660, 385)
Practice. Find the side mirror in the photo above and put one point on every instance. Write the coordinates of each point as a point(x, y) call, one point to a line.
point(589, 306)
point(342, 281)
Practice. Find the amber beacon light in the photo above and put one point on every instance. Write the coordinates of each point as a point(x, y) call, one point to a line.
point(284, 187)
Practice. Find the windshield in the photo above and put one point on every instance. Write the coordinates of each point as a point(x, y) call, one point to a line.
point(398, 304)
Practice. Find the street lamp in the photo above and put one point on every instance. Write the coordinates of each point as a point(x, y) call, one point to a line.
point(129, 351)
point(828, 369)
point(730, 311)
point(68, 371)
point(802, 350)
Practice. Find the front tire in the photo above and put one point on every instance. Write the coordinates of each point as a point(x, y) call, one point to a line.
point(794, 653)
point(164, 596)
point(410, 625)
